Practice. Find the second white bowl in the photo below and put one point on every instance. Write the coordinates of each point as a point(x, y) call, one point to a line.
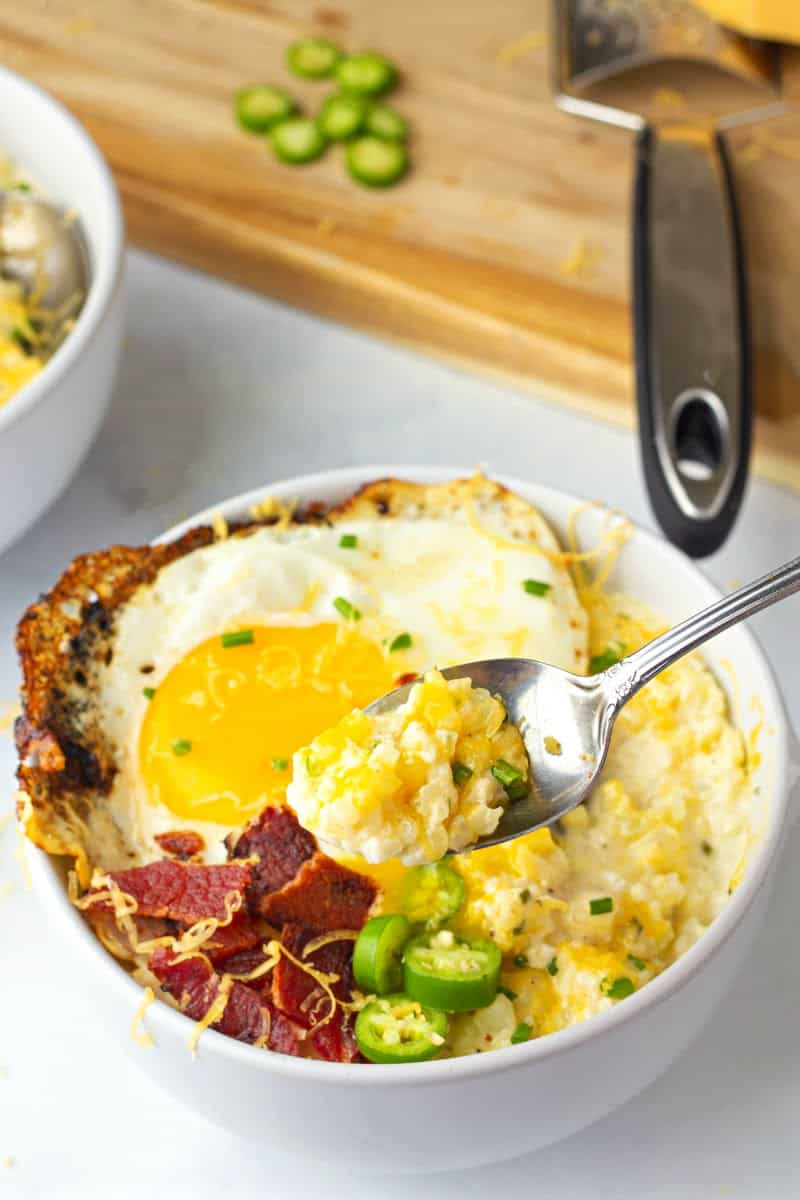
point(47, 428)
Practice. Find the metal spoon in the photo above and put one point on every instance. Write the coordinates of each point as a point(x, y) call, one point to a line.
point(43, 251)
point(566, 720)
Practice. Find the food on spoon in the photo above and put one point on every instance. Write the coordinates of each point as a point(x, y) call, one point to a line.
point(167, 689)
point(428, 777)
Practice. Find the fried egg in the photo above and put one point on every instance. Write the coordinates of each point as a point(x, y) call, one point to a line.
point(245, 650)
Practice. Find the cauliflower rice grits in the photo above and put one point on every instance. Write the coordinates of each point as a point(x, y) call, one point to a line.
point(161, 723)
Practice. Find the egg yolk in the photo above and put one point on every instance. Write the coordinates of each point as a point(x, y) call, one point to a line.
point(218, 735)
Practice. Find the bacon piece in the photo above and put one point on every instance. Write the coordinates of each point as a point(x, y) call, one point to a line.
point(241, 934)
point(282, 846)
point(181, 843)
point(322, 896)
point(245, 961)
point(335, 1041)
point(301, 997)
point(292, 987)
point(183, 892)
point(247, 1016)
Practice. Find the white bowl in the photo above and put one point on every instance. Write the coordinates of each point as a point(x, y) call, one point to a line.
point(465, 1111)
point(48, 426)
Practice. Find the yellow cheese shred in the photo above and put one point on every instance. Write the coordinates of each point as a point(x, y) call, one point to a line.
point(271, 506)
point(618, 530)
point(214, 1013)
point(324, 939)
point(24, 814)
point(139, 1034)
point(220, 527)
point(616, 534)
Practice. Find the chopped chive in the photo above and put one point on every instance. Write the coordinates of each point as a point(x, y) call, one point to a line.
point(518, 929)
point(619, 989)
point(346, 609)
point(504, 772)
point(521, 1034)
point(637, 962)
point(535, 587)
point(517, 790)
point(520, 961)
point(401, 642)
point(241, 637)
point(461, 773)
point(22, 186)
point(348, 541)
point(148, 692)
point(603, 904)
point(507, 992)
point(25, 344)
point(552, 966)
point(181, 746)
point(525, 895)
point(707, 848)
point(610, 656)
point(280, 764)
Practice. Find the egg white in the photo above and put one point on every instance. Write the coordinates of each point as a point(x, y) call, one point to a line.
point(459, 593)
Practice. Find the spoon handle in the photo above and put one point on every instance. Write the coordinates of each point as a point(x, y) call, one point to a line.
point(633, 672)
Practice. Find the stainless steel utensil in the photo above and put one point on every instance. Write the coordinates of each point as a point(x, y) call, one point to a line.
point(574, 714)
point(691, 326)
point(43, 251)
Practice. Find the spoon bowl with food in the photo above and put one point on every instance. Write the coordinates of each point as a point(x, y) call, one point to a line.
point(486, 751)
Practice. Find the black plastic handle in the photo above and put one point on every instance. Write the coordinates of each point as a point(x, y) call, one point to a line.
point(691, 336)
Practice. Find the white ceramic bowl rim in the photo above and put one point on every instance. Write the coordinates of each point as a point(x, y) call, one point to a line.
point(320, 486)
point(106, 269)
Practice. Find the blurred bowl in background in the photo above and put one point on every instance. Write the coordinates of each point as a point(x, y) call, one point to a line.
point(47, 428)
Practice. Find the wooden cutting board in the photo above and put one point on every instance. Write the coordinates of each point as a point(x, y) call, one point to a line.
point(507, 247)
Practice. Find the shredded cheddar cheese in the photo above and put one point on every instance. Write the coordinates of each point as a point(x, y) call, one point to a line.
point(215, 1012)
point(141, 1036)
point(324, 939)
point(521, 47)
point(219, 526)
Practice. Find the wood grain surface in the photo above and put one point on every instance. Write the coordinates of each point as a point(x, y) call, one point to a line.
point(507, 247)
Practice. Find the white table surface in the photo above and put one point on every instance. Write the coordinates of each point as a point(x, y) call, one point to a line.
point(221, 391)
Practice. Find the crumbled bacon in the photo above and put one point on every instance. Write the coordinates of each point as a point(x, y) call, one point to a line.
point(246, 961)
point(246, 1017)
point(301, 997)
point(408, 677)
point(292, 987)
point(241, 934)
point(322, 896)
point(181, 843)
point(335, 1041)
point(183, 892)
point(282, 846)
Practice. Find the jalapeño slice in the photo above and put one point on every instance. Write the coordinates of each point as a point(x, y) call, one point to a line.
point(397, 1029)
point(260, 107)
point(432, 894)
point(313, 57)
point(377, 963)
point(451, 973)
